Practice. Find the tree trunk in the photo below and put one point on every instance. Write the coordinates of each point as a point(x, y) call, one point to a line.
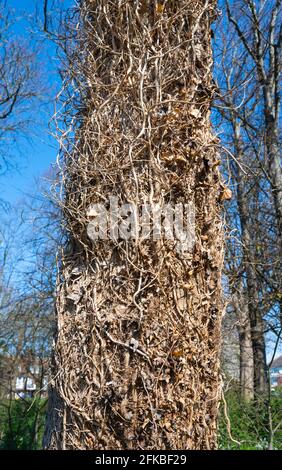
point(246, 351)
point(275, 170)
point(257, 328)
point(246, 365)
point(254, 313)
point(273, 147)
point(136, 358)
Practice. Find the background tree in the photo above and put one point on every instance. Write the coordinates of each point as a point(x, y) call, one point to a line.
point(21, 86)
point(26, 320)
point(30, 241)
point(249, 80)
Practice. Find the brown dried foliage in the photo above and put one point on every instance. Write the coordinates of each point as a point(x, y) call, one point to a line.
point(136, 355)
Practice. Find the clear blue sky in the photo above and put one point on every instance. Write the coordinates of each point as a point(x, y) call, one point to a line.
point(33, 157)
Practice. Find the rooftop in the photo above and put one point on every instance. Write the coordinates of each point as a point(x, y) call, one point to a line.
point(277, 362)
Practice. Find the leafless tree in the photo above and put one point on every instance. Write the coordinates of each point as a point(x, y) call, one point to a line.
point(258, 25)
point(21, 86)
point(29, 243)
point(249, 74)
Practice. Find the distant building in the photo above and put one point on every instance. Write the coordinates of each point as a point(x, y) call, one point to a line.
point(276, 373)
point(23, 377)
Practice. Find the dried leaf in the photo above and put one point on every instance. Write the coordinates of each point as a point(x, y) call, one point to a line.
point(226, 195)
point(177, 353)
point(188, 286)
point(74, 296)
point(195, 112)
point(217, 163)
point(159, 8)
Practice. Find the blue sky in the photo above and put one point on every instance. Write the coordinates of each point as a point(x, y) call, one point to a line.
point(33, 157)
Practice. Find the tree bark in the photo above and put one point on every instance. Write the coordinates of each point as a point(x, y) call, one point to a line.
point(246, 351)
point(253, 304)
point(255, 316)
point(136, 358)
point(274, 165)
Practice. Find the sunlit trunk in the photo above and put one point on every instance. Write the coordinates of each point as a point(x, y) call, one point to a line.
point(246, 353)
point(136, 358)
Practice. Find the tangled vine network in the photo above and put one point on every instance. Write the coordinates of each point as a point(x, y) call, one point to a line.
point(136, 356)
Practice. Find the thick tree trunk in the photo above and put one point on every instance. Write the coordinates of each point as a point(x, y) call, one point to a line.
point(246, 350)
point(253, 303)
point(272, 100)
point(272, 141)
point(273, 147)
point(246, 365)
point(136, 359)
point(275, 170)
point(257, 326)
